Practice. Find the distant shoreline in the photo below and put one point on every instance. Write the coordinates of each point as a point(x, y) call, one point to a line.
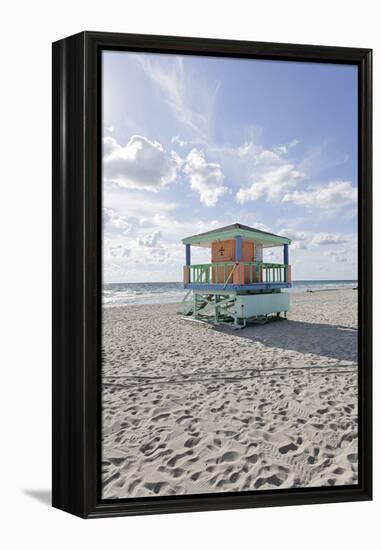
point(330, 289)
point(178, 302)
point(126, 294)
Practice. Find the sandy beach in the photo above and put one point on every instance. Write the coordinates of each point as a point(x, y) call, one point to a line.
point(189, 408)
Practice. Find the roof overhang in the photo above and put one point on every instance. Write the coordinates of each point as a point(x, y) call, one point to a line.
point(260, 237)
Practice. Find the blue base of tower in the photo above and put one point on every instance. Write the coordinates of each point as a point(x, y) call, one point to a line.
point(214, 287)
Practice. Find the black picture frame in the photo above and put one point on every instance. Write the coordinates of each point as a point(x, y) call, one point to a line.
point(77, 273)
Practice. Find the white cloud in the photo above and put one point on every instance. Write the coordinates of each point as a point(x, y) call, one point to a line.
point(177, 141)
point(190, 98)
point(140, 250)
point(272, 184)
point(206, 178)
point(140, 164)
point(261, 154)
point(261, 227)
point(115, 249)
point(338, 256)
point(150, 240)
point(307, 239)
point(138, 205)
point(303, 240)
point(242, 150)
point(284, 149)
point(294, 235)
point(328, 238)
point(299, 245)
point(109, 145)
point(293, 143)
point(174, 229)
point(253, 152)
point(334, 195)
point(267, 156)
point(300, 239)
point(112, 221)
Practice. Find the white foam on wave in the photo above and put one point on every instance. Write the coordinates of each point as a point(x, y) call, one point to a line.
point(155, 293)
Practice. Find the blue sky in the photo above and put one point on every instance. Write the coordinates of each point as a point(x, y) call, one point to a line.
point(193, 143)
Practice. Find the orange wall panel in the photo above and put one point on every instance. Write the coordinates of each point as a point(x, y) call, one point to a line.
point(220, 275)
point(223, 251)
point(238, 275)
point(186, 274)
point(247, 251)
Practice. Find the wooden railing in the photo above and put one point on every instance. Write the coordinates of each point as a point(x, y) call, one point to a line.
point(210, 273)
point(220, 272)
point(266, 272)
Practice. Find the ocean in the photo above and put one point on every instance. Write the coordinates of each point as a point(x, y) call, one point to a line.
point(122, 294)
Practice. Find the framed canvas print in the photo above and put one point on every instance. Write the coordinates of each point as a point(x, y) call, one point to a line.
point(211, 274)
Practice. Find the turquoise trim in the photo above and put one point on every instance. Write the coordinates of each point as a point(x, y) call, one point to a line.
point(206, 273)
point(207, 240)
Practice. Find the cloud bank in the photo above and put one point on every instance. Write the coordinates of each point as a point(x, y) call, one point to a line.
point(206, 178)
point(140, 164)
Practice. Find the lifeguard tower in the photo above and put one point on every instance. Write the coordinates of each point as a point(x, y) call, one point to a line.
point(237, 286)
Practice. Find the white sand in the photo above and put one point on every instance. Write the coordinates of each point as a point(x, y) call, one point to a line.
point(189, 408)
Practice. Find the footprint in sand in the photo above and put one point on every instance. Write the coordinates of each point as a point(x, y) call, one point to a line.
point(172, 461)
point(113, 477)
point(353, 457)
point(229, 456)
point(117, 460)
point(156, 487)
point(287, 448)
point(234, 477)
point(177, 472)
point(272, 480)
point(184, 417)
point(132, 486)
point(192, 442)
point(160, 417)
point(252, 458)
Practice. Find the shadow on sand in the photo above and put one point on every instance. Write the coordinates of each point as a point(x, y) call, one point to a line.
point(334, 341)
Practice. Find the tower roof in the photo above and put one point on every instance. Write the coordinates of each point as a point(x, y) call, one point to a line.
point(236, 229)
